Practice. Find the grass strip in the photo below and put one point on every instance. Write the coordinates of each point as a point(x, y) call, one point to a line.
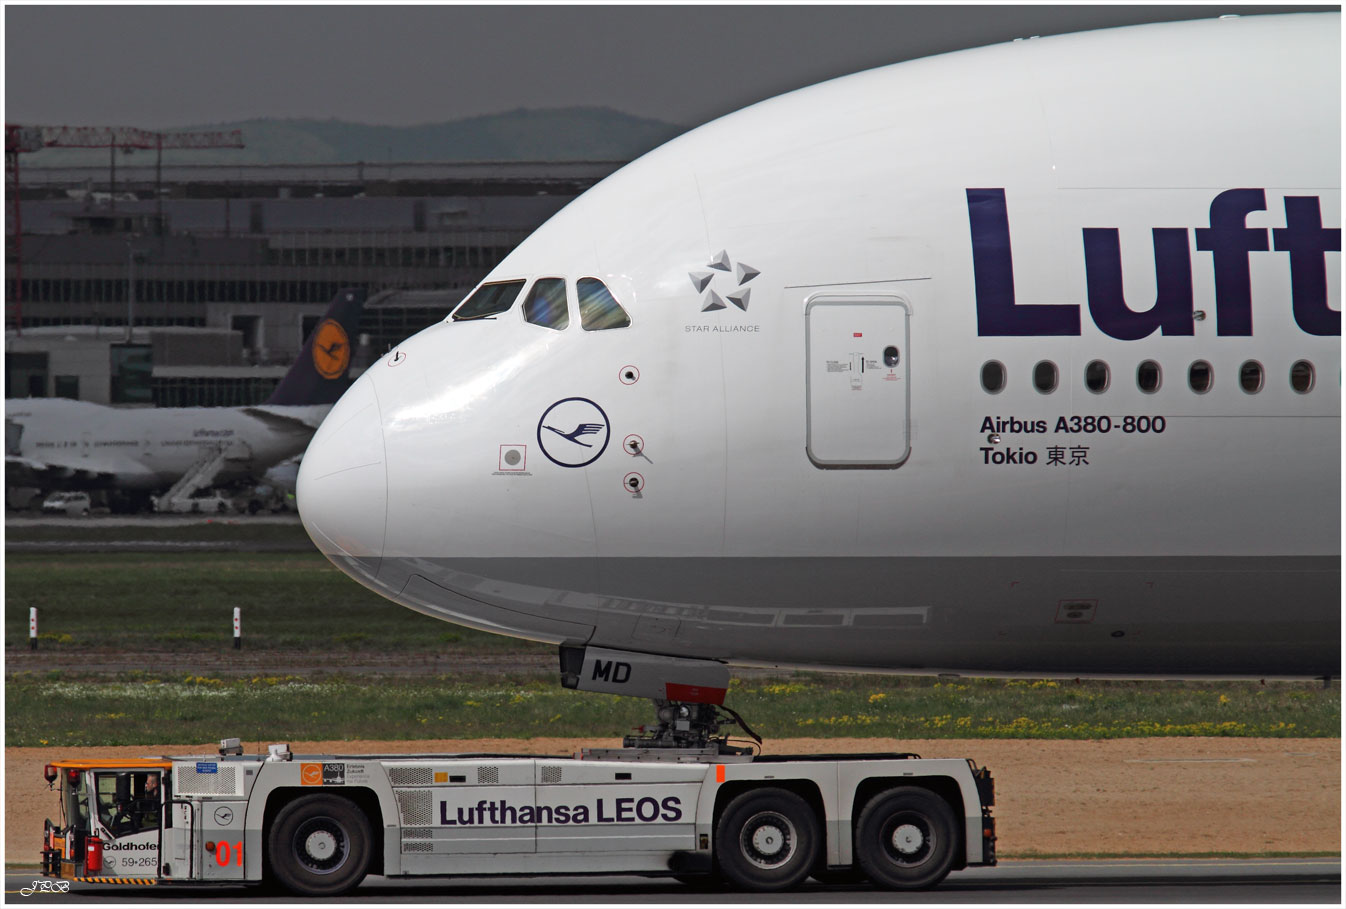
point(135, 602)
point(143, 709)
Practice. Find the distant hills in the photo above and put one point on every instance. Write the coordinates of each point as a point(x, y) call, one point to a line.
point(561, 134)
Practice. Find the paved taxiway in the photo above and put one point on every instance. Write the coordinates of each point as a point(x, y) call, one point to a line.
point(1132, 881)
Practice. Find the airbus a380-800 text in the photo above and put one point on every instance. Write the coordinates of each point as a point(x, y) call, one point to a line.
point(1019, 360)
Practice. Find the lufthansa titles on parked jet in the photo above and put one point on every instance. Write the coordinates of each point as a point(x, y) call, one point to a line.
point(573, 432)
point(331, 349)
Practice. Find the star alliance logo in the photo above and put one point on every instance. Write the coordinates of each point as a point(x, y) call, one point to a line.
point(712, 301)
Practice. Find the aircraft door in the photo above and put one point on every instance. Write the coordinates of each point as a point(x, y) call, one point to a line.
point(86, 444)
point(857, 380)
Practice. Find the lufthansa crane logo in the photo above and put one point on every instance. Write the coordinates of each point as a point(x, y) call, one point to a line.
point(573, 432)
point(331, 349)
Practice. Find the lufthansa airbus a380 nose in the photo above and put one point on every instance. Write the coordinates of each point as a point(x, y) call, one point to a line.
point(421, 485)
point(475, 471)
point(342, 487)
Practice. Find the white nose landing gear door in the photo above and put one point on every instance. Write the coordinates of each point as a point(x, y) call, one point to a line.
point(857, 381)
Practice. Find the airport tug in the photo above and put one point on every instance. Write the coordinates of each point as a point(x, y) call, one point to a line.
point(677, 799)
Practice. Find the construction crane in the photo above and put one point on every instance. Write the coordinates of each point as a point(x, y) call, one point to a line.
point(19, 139)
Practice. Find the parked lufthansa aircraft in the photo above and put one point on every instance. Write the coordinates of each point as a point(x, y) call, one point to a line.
point(1019, 360)
point(62, 444)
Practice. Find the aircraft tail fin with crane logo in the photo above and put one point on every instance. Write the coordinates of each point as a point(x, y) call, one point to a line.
point(321, 373)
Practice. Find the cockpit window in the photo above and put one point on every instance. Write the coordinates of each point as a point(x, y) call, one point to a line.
point(489, 300)
point(598, 309)
point(546, 304)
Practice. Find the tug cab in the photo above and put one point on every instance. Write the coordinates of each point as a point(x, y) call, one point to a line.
point(111, 822)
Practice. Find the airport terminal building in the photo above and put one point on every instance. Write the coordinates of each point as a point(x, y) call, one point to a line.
point(223, 270)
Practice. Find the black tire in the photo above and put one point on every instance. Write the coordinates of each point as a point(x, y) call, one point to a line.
point(840, 877)
point(906, 839)
point(319, 845)
point(767, 840)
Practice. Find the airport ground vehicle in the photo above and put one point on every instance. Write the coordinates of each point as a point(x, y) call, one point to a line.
point(67, 503)
point(317, 824)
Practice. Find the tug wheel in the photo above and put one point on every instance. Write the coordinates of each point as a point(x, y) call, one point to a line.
point(767, 840)
point(905, 839)
point(319, 845)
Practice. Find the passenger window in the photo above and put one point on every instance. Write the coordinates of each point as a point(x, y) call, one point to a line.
point(1301, 377)
point(1044, 377)
point(598, 309)
point(1250, 377)
point(1149, 377)
point(1200, 376)
point(1096, 377)
point(489, 300)
point(546, 304)
point(993, 376)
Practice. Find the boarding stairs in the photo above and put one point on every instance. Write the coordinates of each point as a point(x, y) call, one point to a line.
point(201, 475)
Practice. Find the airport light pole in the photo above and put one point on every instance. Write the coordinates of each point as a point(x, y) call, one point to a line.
point(133, 256)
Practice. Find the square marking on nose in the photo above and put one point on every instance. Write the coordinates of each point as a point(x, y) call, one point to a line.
point(513, 458)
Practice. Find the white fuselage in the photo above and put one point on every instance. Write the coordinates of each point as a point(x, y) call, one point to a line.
point(79, 444)
point(798, 500)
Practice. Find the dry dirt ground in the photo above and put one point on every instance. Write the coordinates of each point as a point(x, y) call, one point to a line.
point(1121, 796)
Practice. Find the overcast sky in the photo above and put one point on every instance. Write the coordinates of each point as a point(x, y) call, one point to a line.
point(163, 66)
